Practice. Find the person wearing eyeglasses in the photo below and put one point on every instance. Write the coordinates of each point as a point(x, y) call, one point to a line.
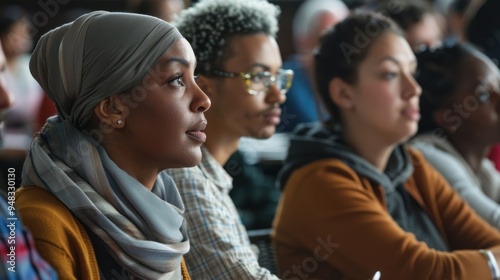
point(239, 67)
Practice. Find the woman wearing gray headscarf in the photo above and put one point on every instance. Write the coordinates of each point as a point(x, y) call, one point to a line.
point(128, 106)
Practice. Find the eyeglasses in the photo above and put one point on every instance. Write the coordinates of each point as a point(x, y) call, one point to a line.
point(261, 81)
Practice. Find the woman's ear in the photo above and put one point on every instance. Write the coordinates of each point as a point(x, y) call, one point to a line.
point(112, 111)
point(341, 93)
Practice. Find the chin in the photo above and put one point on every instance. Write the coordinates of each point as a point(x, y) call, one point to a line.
point(190, 159)
point(264, 133)
point(406, 136)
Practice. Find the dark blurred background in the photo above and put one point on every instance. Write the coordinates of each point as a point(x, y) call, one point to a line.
point(44, 15)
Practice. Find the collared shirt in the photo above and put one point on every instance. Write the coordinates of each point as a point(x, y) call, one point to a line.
point(20, 260)
point(220, 248)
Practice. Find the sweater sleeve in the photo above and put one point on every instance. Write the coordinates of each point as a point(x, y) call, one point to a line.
point(457, 176)
point(58, 237)
point(326, 204)
point(463, 227)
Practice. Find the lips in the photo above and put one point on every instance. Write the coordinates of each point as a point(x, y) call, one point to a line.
point(196, 133)
point(412, 113)
point(273, 116)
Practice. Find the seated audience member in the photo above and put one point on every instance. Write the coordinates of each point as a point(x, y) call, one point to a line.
point(239, 66)
point(355, 199)
point(458, 18)
point(18, 255)
point(419, 22)
point(312, 18)
point(20, 118)
point(483, 31)
point(460, 107)
point(93, 193)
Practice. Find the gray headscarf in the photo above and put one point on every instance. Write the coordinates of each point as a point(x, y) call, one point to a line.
point(98, 55)
point(78, 65)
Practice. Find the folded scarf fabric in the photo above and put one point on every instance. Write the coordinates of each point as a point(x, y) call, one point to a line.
point(144, 230)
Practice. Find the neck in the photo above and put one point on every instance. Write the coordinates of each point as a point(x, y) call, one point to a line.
point(472, 152)
point(220, 144)
point(376, 151)
point(307, 62)
point(133, 163)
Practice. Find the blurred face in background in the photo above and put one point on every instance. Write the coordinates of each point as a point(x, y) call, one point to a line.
point(168, 9)
point(6, 97)
point(427, 32)
point(17, 40)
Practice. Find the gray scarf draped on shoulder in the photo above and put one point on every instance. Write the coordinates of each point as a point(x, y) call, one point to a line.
point(78, 65)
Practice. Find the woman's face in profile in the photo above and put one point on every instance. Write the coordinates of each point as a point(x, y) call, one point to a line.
point(166, 119)
point(385, 97)
point(476, 101)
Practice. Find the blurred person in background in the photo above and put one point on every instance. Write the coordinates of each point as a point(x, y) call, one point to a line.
point(311, 19)
point(483, 31)
point(18, 255)
point(21, 119)
point(164, 9)
point(419, 22)
point(457, 19)
point(460, 109)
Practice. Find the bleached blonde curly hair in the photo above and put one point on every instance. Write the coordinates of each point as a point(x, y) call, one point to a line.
point(210, 24)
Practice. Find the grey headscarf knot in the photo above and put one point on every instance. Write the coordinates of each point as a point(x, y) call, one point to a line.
point(98, 55)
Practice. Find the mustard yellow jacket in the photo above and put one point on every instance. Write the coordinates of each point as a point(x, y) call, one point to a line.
point(59, 237)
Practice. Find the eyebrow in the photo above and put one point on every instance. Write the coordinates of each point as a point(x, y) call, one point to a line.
point(173, 60)
point(266, 67)
point(391, 58)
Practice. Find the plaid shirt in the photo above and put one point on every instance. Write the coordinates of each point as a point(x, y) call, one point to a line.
point(23, 262)
point(220, 248)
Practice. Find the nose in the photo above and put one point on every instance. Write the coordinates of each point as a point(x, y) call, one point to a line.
point(200, 102)
point(274, 95)
point(412, 88)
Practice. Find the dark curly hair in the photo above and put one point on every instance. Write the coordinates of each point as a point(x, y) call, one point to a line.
point(340, 52)
point(407, 14)
point(438, 72)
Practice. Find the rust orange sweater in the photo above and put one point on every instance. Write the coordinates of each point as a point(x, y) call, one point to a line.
point(333, 224)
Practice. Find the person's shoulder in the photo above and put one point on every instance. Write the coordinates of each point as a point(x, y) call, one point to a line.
point(191, 182)
point(184, 173)
point(28, 197)
point(329, 170)
point(42, 212)
point(415, 153)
